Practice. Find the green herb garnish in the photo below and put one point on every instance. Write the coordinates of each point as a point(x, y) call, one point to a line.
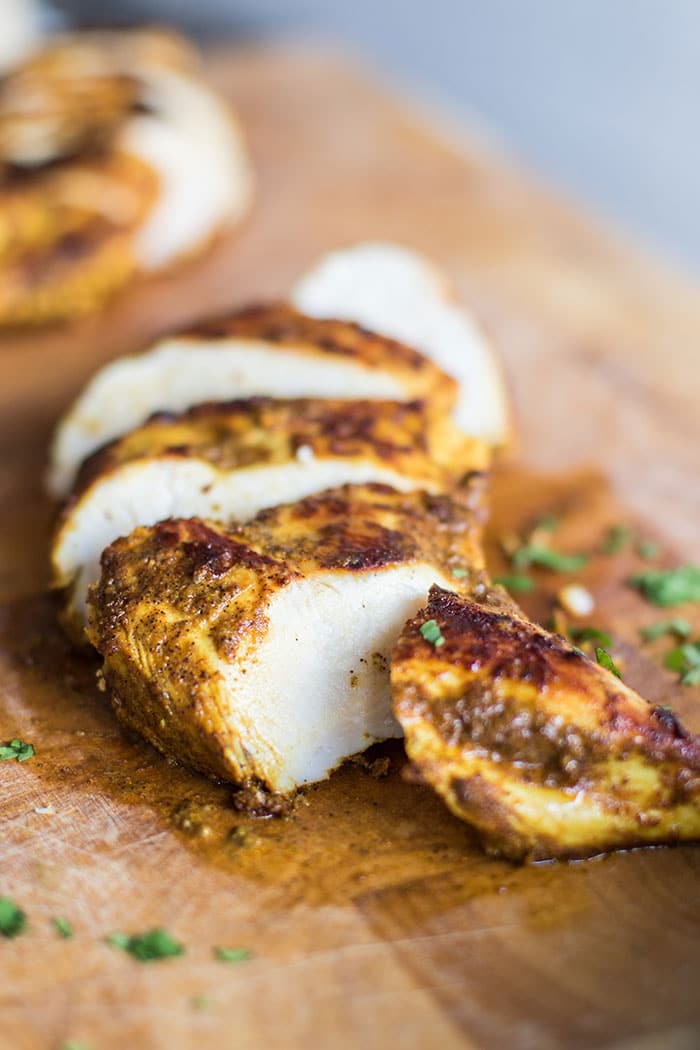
point(617, 539)
point(685, 660)
point(72, 1044)
point(12, 919)
point(605, 660)
point(232, 955)
point(16, 749)
point(677, 626)
point(432, 633)
point(667, 587)
point(461, 574)
point(547, 523)
point(591, 634)
point(515, 583)
point(201, 1002)
point(546, 558)
point(648, 549)
point(63, 927)
point(146, 947)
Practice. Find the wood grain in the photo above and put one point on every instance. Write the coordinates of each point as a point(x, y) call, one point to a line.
point(371, 915)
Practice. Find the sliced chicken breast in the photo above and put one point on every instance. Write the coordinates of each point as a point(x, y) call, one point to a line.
point(264, 351)
point(260, 654)
point(229, 461)
point(543, 752)
point(396, 292)
point(125, 101)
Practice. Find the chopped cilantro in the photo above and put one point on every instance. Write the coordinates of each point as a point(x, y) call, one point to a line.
point(548, 523)
point(461, 574)
point(63, 927)
point(546, 558)
point(515, 583)
point(201, 1002)
point(232, 955)
point(154, 944)
point(16, 749)
point(677, 626)
point(604, 658)
point(12, 919)
point(617, 539)
point(666, 587)
point(648, 549)
point(685, 660)
point(591, 634)
point(73, 1044)
point(432, 633)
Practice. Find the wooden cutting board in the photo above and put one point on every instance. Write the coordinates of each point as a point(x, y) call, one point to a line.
point(372, 917)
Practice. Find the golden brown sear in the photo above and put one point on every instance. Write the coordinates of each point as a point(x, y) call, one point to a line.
point(543, 752)
point(74, 94)
point(263, 431)
point(66, 236)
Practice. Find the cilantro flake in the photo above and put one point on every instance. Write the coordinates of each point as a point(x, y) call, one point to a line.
point(515, 582)
point(12, 919)
point(685, 661)
point(677, 626)
point(17, 749)
point(546, 558)
point(232, 955)
point(648, 549)
point(432, 633)
point(617, 539)
point(591, 634)
point(73, 1044)
point(460, 574)
point(667, 587)
point(63, 927)
point(147, 947)
point(547, 523)
point(605, 660)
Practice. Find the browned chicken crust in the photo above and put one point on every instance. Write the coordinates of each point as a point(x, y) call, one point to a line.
point(543, 752)
point(66, 233)
point(261, 431)
point(282, 324)
point(179, 600)
point(72, 96)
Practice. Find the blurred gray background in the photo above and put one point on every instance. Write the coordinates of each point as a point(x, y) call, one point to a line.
point(599, 96)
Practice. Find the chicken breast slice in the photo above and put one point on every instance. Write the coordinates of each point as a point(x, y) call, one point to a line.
point(269, 351)
point(229, 461)
point(393, 290)
point(543, 752)
point(260, 654)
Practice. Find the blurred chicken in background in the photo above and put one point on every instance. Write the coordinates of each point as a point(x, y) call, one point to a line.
point(114, 159)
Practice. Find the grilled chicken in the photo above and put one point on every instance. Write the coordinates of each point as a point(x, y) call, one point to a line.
point(396, 292)
point(543, 752)
point(260, 654)
point(263, 351)
point(114, 159)
point(229, 461)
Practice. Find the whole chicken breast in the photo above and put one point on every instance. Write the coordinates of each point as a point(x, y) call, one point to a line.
point(260, 654)
point(543, 752)
point(269, 351)
point(393, 290)
point(229, 461)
